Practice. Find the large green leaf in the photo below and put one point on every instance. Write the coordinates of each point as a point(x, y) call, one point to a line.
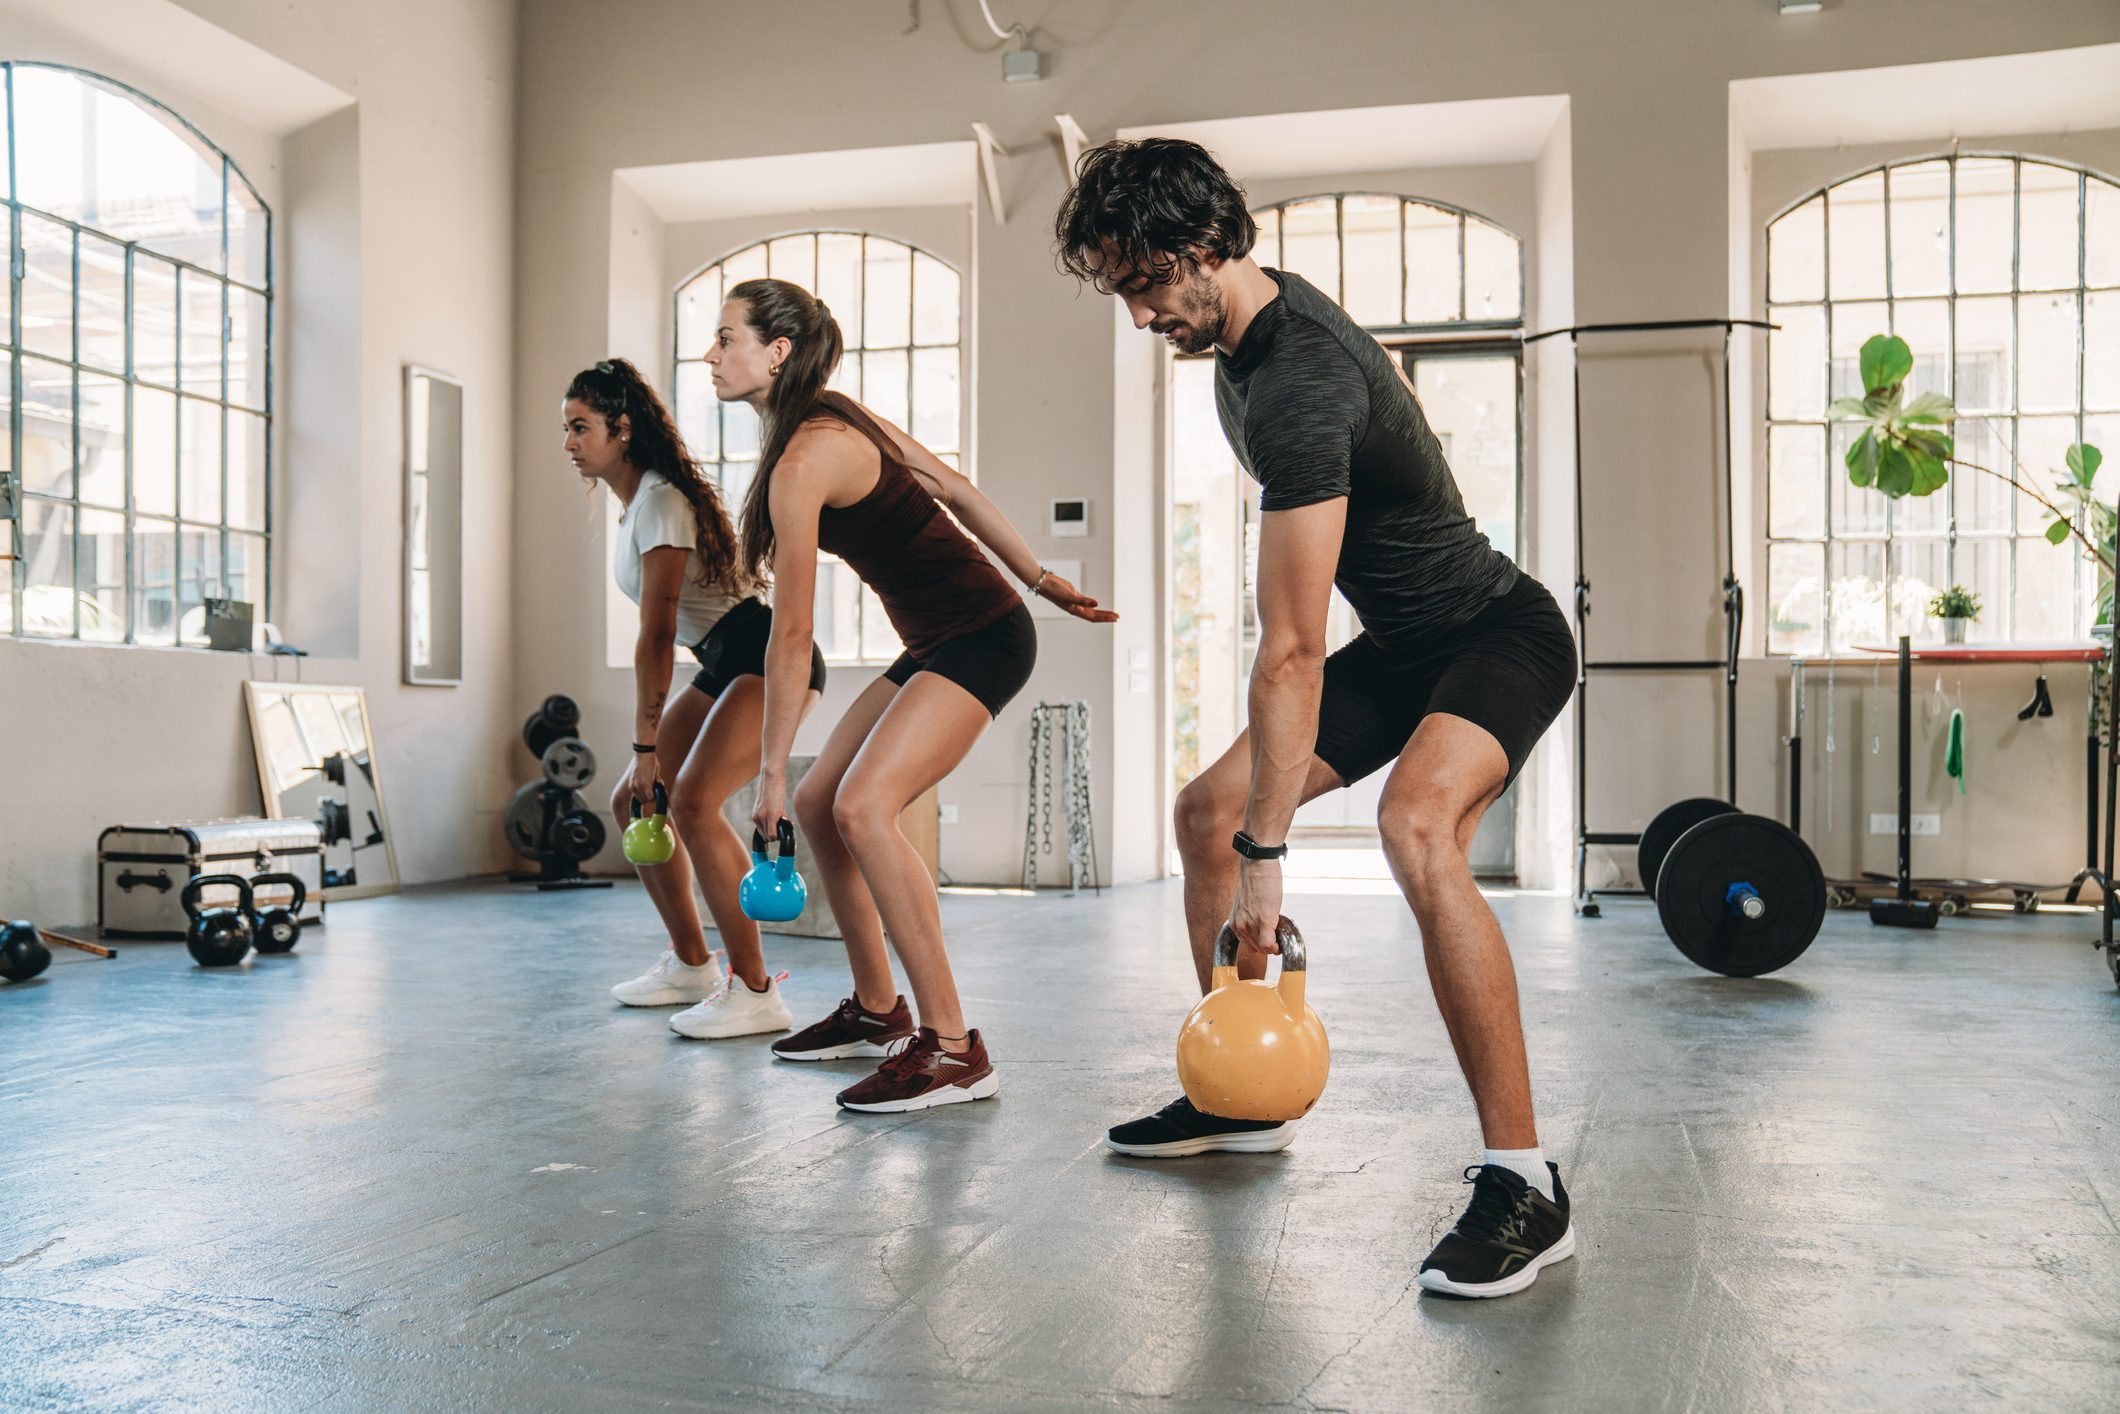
point(1862, 460)
point(1934, 444)
point(1846, 407)
point(2083, 462)
point(1895, 471)
point(1886, 361)
point(1929, 471)
point(1929, 407)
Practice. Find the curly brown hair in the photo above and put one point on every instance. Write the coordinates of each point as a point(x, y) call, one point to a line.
point(615, 389)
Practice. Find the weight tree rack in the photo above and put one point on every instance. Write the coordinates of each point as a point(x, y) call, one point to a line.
point(1733, 606)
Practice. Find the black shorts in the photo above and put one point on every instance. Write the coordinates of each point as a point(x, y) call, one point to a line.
point(1510, 670)
point(991, 663)
point(736, 647)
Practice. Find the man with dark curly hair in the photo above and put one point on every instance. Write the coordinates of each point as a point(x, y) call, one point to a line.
point(1462, 664)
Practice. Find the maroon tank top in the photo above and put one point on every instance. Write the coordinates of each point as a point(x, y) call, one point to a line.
point(934, 581)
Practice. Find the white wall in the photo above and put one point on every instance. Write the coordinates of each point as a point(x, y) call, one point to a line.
point(395, 219)
point(1641, 187)
point(471, 178)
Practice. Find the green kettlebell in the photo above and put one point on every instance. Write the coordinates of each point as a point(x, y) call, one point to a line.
point(648, 840)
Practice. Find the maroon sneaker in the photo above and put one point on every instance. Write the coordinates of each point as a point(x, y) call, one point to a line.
point(923, 1074)
point(849, 1031)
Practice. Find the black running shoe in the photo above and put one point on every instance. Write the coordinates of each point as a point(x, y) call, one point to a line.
point(1178, 1129)
point(1508, 1233)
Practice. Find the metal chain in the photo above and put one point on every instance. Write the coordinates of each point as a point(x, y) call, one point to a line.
point(1058, 726)
point(1041, 798)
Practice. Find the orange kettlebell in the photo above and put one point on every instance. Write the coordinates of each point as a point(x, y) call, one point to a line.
point(1250, 1049)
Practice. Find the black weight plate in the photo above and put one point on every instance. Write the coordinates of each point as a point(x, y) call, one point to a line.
point(1663, 832)
point(523, 823)
point(555, 717)
point(569, 763)
point(578, 836)
point(1692, 894)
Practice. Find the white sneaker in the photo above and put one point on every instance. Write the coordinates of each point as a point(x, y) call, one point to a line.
point(671, 983)
point(735, 1010)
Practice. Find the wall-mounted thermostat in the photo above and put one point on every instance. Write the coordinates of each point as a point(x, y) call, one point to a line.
point(1070, 518)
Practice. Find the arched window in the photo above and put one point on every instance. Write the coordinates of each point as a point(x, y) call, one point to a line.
point(1395, 264)
point(2003, 275)
point(901, 312)
point(135, 358)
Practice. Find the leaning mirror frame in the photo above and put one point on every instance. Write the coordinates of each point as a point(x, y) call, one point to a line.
point(286, 762)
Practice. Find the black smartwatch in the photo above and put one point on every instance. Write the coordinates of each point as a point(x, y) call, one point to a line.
point(1251, 849)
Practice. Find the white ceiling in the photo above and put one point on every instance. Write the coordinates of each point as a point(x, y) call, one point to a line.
point(2060, 90)
point(923, 174)
point(248, 84)
point(1473, 132)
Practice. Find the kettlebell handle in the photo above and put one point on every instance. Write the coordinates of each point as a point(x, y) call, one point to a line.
point(662, 801)
point(290, 882)
point(189, 899)
point(784, 844)
point(1293, 958)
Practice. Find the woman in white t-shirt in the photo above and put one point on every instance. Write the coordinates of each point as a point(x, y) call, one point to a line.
point(677, 558)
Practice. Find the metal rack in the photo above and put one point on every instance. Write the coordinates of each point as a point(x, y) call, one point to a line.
point(1733, 605)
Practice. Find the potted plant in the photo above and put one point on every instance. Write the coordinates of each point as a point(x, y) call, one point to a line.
point(1906, 449)
point(1957, 607)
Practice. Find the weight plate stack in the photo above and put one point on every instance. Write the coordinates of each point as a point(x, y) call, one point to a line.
point(1710, 874)
point(1663, 832)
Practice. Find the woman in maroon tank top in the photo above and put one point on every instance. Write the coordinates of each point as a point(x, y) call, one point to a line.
point(834, 477)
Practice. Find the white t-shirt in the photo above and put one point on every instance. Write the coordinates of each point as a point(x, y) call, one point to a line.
point(660, 515)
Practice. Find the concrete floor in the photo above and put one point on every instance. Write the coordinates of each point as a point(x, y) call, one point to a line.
point(425, 1162)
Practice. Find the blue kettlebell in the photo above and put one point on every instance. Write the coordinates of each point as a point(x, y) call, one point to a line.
point(773, 892)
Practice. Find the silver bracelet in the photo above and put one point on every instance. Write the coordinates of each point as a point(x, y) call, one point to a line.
point(1044, 574)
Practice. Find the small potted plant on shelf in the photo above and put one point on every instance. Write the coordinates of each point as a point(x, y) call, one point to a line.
point(1957, 607)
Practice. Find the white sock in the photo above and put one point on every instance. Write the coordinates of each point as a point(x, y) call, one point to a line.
point(1527, 1164)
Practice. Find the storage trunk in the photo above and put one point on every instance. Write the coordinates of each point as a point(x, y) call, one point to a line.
point(144, 869)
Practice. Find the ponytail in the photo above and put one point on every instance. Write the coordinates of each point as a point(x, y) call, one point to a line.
point(776, 309)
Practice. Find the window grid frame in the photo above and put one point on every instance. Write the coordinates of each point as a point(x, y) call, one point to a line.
point(1892, 539)
point(1462, 325)
point(815, 234)
point(220, 529)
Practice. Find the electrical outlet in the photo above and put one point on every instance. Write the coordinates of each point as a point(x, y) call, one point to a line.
point(1882, 824)
point(947, 814)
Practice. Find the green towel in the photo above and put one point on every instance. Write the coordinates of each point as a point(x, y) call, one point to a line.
point(1954, 753)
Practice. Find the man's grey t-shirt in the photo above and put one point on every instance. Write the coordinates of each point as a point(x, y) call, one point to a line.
point(1315, 409)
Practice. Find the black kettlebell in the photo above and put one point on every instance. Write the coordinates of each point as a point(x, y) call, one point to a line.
point(218, 937)
point(278, 926)
point(22, 953)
